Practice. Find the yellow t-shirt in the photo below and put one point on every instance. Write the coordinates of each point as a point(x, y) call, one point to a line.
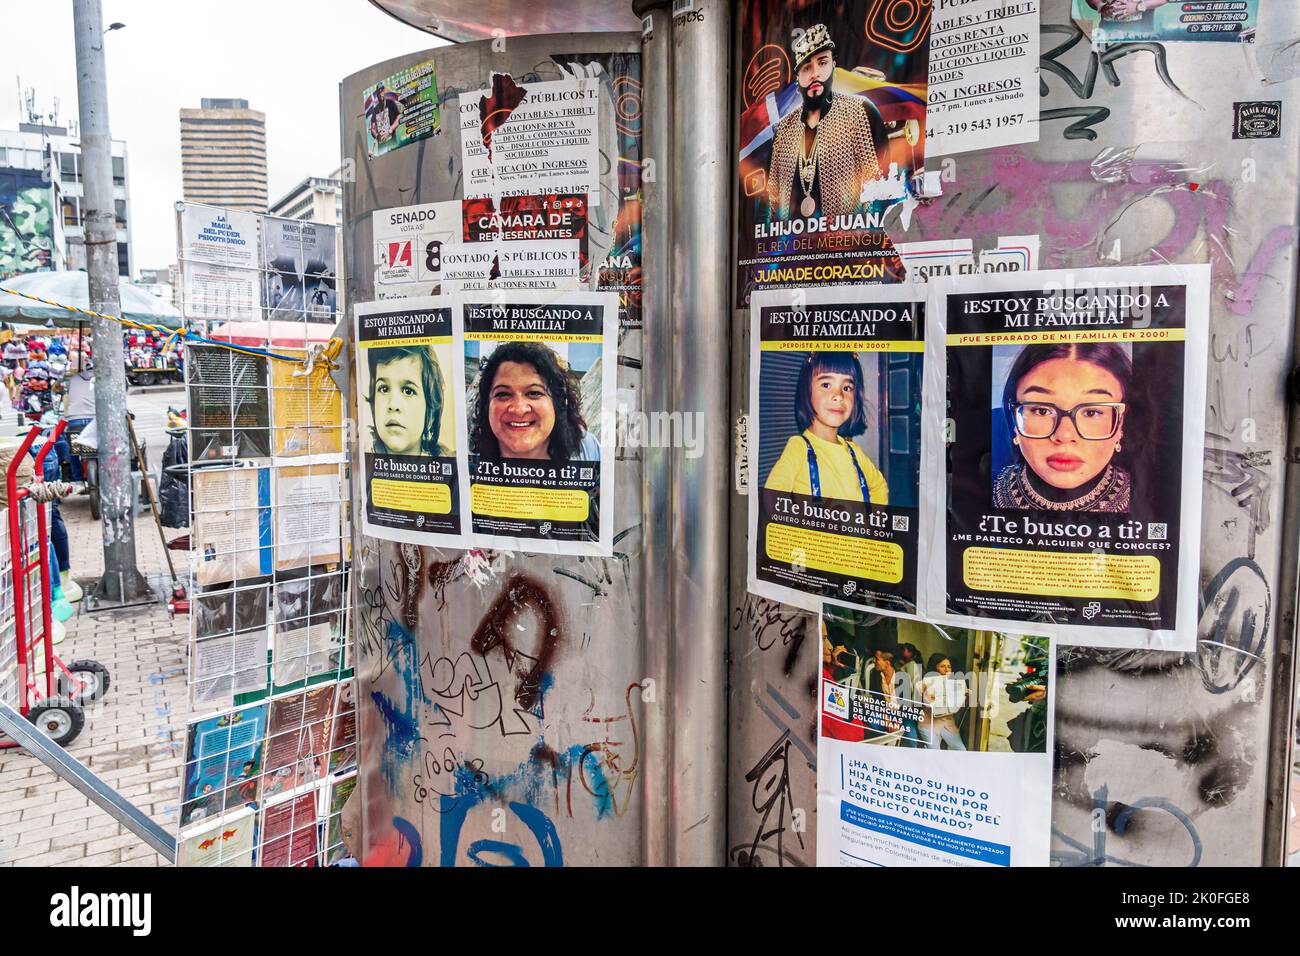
point(839, 479)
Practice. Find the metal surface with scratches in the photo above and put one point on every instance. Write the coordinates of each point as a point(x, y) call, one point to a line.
point(1162, 759)
point(460, 21)
point(500, 694)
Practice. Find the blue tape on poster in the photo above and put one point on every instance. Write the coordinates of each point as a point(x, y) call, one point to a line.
point(264, 520)
point(996, 853)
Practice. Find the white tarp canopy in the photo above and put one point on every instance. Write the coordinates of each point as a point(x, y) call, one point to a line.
point(72, 288)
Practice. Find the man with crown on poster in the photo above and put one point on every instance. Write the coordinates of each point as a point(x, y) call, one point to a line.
point(823, 153)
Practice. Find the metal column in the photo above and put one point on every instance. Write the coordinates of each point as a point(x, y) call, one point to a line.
point(700, 185)
point(541, 731)
point(1185, 757)
point(656, 397)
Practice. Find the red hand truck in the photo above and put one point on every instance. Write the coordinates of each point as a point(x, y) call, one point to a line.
point(60, 715)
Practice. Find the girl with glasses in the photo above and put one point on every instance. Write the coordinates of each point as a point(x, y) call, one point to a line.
point(1065, 405)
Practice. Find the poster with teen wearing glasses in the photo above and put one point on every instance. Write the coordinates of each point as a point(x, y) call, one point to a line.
point(835, 402)
point(406, 403)
point(539, 372)
point(1063, 441)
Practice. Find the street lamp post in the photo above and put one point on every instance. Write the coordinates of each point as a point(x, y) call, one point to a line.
point(122, 584)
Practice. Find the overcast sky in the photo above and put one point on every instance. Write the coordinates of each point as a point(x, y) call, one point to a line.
point(286, 57)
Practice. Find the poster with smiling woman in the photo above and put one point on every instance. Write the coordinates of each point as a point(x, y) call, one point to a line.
point(407, 409)
point(1062, 486)
point(539, 376)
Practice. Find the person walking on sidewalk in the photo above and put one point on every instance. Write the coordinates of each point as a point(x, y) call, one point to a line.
point(79, 403)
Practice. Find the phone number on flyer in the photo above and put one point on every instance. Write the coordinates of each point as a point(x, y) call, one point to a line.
point(979, 125)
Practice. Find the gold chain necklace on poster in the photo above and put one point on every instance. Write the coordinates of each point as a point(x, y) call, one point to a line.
point(808, 170)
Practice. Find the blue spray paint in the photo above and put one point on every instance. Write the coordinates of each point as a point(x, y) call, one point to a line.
point(403, 722)
point(411, 835)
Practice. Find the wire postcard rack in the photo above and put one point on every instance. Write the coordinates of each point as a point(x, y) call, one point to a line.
point(272, 756)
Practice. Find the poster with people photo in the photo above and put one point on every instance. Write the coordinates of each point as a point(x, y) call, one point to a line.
point(832, 100)
point(1160, 21)
point(401, 109)
point(934, 745)
point(1062, 488)
point(539, 373)
point(299, 270)
point(406, 402)
point(835, 419)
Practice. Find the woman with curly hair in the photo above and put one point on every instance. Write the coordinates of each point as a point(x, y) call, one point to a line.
point(406, 401)
point(529, 407)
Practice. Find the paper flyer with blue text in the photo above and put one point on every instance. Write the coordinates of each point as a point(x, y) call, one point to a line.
point(934, 745)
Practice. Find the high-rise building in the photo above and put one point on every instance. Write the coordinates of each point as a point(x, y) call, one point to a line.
point(223, 155)
point(318, 199)
point(315, 199)
point(41, 200)
point(159, 282)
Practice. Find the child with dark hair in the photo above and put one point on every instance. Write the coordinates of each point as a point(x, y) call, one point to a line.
point(821, 461)
point(405, 401)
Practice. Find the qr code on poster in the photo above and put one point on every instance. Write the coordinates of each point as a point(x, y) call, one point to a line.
point(900, 522)
point(586, 474)
point(1157, 531)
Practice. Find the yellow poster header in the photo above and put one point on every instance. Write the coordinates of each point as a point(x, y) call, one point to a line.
point(843, 345)
point(531, 337)
point(407, 342)
point(1066, 336)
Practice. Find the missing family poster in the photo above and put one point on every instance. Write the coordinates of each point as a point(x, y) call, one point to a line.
point(539, 372)
point(406, 400)
point(835, 392)
point(832, 103)
point(1064, 433)
point(934, 745)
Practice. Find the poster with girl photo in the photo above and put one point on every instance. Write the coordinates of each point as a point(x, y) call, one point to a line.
point(539, 370)
point(406, 402)
point(1062, 493)
point(835, 418)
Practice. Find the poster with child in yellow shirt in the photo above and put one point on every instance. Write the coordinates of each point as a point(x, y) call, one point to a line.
point(835, 402)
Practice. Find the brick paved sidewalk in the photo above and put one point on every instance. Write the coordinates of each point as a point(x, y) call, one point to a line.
point(134, 739)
